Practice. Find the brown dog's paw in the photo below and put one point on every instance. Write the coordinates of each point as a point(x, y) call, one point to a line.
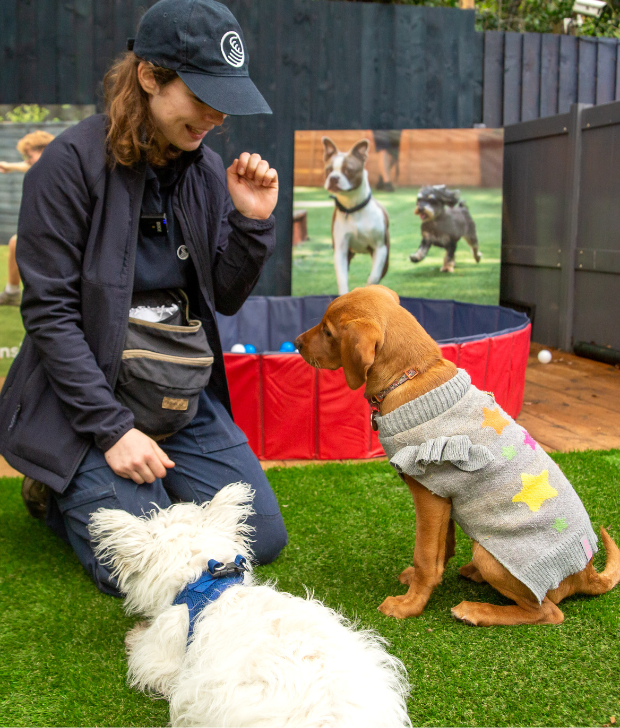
point(406, 576)
point(465, 612)
point(400, 607)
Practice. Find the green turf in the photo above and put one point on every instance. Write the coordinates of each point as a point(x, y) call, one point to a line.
point(313, 266)
point(11, 327)
point(351, 531)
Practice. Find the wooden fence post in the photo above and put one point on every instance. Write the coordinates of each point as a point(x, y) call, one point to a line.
point(569, 246)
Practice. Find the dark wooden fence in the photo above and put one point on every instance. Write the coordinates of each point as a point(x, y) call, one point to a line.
point(321, 65)
point(531, 75)
point(561, 224)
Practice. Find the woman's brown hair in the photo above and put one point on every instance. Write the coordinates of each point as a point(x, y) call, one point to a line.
point(131, 131)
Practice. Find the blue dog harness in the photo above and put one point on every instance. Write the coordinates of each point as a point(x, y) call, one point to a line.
point(208, 587)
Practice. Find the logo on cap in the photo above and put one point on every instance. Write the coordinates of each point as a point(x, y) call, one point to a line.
point(232, 49)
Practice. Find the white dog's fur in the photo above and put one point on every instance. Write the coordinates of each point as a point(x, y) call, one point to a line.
point(258, 657)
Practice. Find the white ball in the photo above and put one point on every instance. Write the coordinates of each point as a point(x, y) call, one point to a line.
point(544, 356)
point(238, 349)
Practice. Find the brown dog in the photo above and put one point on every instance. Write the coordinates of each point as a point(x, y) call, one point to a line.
point(374, 340)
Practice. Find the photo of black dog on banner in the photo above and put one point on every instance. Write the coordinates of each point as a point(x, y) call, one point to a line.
point(445, 220)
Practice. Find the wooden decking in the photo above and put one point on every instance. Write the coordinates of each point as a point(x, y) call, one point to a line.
point(570, 404)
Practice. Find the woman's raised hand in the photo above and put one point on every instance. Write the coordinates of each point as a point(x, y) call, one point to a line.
point(138, 457)
point(253, 186)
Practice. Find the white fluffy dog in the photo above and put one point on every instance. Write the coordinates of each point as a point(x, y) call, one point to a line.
point(257, 656)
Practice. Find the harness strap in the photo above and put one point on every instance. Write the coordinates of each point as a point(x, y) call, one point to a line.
point(209, 586)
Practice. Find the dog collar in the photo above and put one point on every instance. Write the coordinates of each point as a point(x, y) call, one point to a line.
point(209, 586)
point(349, 210)
point(375, 400)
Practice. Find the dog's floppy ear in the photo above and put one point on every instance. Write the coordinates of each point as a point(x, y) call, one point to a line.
point(121, 540)
point(358, 346)
point(329, 148)
point(229, 510)
point(360, 150)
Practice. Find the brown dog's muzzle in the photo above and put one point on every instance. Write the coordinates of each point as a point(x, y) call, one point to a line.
point(299, 342)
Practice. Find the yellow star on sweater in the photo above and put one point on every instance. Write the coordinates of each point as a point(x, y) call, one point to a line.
point(494, 419)
point(535, 491)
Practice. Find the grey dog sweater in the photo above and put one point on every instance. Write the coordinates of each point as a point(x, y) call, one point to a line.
point(507, 494)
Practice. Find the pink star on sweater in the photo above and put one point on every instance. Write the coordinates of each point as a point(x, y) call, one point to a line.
point(529, 440)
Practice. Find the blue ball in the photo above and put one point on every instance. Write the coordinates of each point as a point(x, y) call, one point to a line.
point(287, 347)
point(250, 349)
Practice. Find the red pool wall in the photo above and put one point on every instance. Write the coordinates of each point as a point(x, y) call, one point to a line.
point(290, 411)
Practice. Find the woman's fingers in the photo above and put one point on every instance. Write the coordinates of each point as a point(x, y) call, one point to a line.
point(253, 167)
point(162, 458)
point(138, 457)
point(244, 158)
point(271, 178)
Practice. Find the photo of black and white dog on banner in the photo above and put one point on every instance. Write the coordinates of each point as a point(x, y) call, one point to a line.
point(445, 220)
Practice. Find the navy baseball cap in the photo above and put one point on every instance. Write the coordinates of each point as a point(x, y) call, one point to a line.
point(202, 41)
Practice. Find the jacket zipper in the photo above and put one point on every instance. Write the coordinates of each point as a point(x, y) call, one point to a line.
point(14, 418)
point(191, 242)
point(201, 361)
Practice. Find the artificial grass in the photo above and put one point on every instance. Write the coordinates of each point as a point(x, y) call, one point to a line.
point(313, 263)
point(11, 326)
point(351, 529)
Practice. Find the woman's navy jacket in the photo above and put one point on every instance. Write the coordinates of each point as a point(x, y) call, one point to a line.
point(77, 240)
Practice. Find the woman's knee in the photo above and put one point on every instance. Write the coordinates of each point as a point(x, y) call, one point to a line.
point(269, 537)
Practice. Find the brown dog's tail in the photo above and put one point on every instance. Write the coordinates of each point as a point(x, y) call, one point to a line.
point(589, 581)
point(610, 576)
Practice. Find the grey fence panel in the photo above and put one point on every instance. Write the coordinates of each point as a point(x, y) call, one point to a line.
point(568, 73)
point(606, 71)
point(27, 52)
point(513, 63)
point(493, 89)
point(84, 45)
point(561, 224)
point(597, 268)
point(531, 76)
point(409, 63)
point(586, 91)
point(46, 53)
point(477, 76)
point(549, 74)
point(9, 81)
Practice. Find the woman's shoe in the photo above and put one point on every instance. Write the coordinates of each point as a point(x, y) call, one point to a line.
point(35, 496)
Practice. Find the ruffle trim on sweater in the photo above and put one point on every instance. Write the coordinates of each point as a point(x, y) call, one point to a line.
point(458, 450)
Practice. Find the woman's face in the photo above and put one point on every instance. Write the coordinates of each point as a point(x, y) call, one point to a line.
point(180, 117)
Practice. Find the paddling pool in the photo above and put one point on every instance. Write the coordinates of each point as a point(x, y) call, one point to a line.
point(289, 410)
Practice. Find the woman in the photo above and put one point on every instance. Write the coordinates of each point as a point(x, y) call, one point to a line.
point(84, 253)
